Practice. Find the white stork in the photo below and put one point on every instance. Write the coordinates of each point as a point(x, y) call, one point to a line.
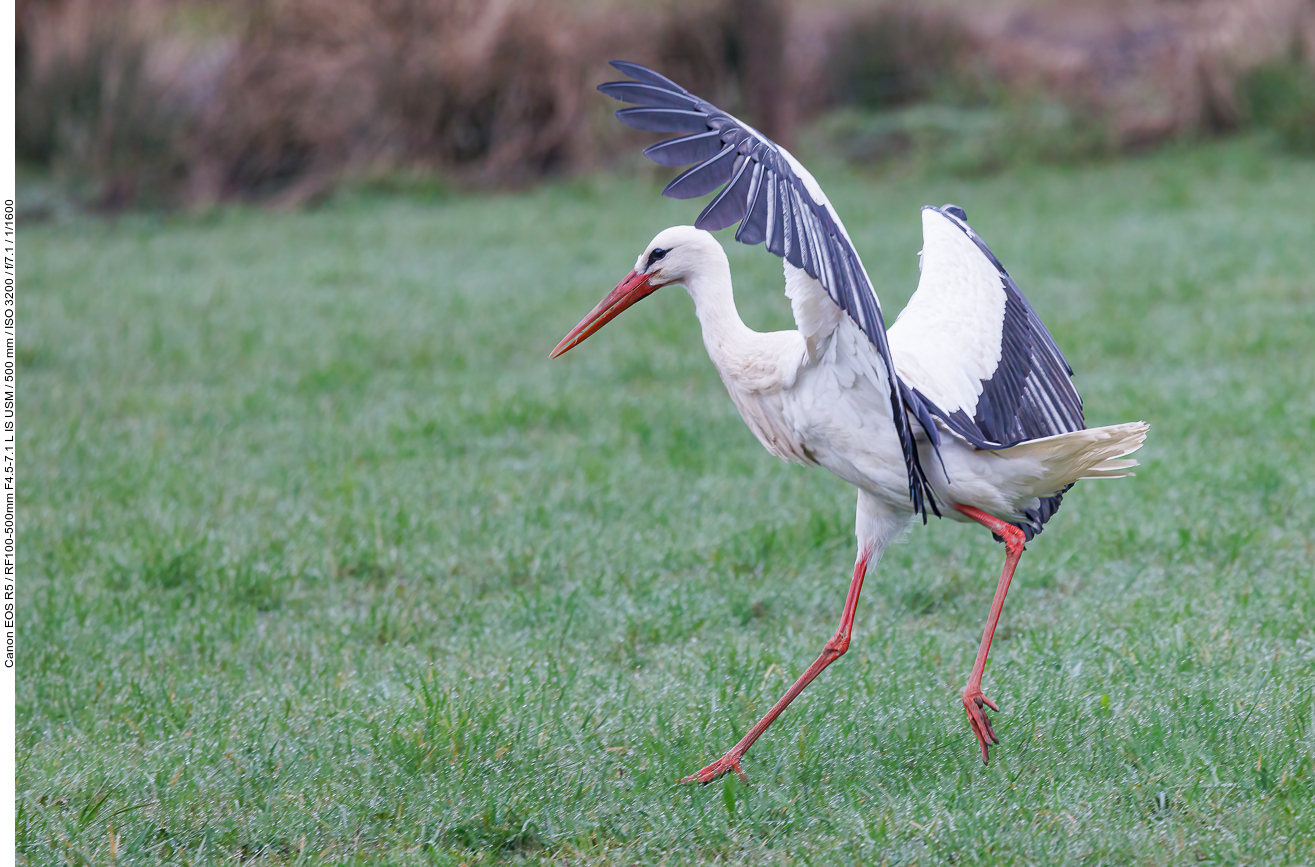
point(964, 407)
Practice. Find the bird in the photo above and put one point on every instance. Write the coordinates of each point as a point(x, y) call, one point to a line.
point(965, 409)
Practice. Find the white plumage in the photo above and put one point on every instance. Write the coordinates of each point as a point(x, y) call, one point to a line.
point(978, 419)
point(946, 340)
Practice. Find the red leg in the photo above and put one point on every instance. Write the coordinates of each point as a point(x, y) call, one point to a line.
point(973, 699)
point(834, 649)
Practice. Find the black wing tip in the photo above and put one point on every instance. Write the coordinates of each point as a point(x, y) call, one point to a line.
point(920, 490)
point(644, 75)
point(949, 210)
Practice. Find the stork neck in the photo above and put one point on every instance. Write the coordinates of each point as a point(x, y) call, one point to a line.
point(714, 302)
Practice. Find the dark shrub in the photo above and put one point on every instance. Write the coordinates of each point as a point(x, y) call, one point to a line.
point(897, 53)
point(1281, 96)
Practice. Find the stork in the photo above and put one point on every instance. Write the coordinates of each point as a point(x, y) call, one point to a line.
point(965, 408)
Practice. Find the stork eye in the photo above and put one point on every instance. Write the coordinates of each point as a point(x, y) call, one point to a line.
point(657, 254)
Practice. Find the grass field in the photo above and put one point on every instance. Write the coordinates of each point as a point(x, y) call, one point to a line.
point(322, 561)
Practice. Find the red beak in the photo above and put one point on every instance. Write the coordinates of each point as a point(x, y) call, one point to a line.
point(634, 287)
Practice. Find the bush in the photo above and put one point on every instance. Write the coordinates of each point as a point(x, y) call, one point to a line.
point(191, 101)
point(897, 53)
point(108, 97)
point(492, 91)
point(175, 101)
point(1281, 96)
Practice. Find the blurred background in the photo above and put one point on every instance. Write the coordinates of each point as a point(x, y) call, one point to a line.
point(169, 103)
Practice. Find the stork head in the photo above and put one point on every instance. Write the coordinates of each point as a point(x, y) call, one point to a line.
point(672, 257)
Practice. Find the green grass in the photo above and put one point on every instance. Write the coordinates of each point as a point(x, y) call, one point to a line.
point(324, 562)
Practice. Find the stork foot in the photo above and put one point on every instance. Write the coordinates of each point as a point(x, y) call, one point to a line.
point(728, 762)
point(975, 704)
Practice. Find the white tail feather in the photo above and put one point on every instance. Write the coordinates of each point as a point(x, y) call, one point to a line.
point(1094, 453)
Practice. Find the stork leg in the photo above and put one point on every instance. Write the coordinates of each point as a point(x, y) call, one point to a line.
point(834, 649)
point(974, 702)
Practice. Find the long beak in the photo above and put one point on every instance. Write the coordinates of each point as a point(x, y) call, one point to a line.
point(634, 287)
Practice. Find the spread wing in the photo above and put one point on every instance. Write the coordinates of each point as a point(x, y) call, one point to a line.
point(971, 344)
point(777, 203)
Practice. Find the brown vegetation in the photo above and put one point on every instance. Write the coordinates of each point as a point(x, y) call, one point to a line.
point(189, 101)
point(1150, 70)
point(112, 93)
point(489, 89)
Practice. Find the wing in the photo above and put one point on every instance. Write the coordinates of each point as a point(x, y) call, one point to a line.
point(777, 203)
point(970, 344)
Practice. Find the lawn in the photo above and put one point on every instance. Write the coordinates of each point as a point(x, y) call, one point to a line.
point(323, 561)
